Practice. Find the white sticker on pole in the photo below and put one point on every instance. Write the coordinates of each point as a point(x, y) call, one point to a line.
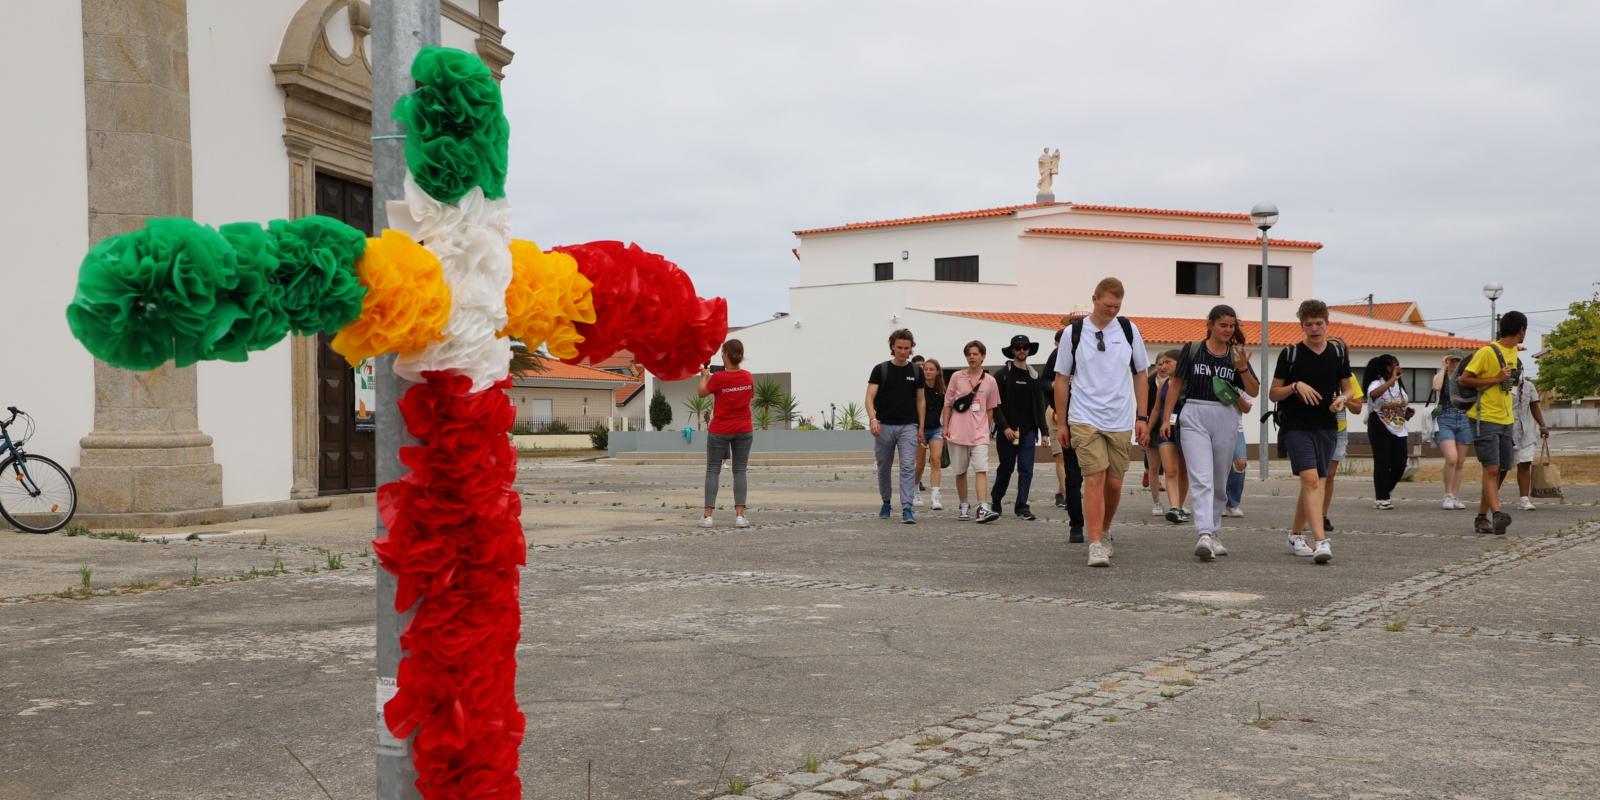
point(387, 744)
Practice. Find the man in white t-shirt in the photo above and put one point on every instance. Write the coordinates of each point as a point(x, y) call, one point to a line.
point(1102, 367)
point(1528, 431)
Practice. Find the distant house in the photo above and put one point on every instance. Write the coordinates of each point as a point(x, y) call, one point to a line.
point(1405, 311)
point(576, 397)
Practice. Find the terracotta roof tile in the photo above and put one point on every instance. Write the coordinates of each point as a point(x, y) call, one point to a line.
point(1006, 211)
point(625, 393)
point(1164, 212)
point(998, 211)
point(1389, 312)
point(1094, 233)
point(559, 371)
point(1174, 330)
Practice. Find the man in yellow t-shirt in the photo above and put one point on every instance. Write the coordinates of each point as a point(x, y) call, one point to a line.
point(1493, 371)
point(1341, 439)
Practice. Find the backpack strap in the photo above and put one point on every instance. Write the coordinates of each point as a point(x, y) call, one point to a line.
point(1077, 336)
point(1127, 333)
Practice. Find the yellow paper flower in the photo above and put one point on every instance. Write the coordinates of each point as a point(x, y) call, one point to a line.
point(407, 302)
point(547, 297)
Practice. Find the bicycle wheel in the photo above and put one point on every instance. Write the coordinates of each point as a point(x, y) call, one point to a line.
point(36, 494)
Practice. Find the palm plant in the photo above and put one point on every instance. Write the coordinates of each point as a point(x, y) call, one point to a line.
point(789, 408)
point(768, 397)
point(525, 361)
point(850, 417)
point(699, 408)
point(762, 417)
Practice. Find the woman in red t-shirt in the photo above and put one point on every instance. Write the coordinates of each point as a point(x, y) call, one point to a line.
point(730, 428)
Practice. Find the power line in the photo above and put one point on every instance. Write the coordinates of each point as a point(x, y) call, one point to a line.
point(1482, 316)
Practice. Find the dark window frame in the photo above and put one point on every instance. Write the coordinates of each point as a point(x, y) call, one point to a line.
point(958, 269)
point(1196, 287)
point(1254, 281)
point(883, 271)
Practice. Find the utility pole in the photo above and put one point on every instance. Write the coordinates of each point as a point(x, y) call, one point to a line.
point(400, 29)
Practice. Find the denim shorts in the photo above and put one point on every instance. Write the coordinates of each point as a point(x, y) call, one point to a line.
point(1454, 427)
point(1493, 445)
point(1341, 445)
point(931, 435)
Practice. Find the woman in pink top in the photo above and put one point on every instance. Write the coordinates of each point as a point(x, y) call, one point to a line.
point(730, 428)
point(966, 429)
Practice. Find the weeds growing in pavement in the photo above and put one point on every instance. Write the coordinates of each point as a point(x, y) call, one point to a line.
point(335, 561)
point(194, 572)
point(930, 741)
point(263, 541)
point(811, 763)
point(1110, 718)
point(86, 576)
point(736, 786)
point(1396, 626)
point(1261, 720)
point(916, 784)
point(1168, 694)
point(1326, 626)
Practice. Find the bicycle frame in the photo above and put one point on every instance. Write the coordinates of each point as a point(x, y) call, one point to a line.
point(21, 462)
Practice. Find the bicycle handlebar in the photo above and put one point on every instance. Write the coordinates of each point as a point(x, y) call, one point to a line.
point(15, 412)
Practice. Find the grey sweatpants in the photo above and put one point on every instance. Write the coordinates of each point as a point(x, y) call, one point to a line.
point(717, 447)
point(892, 438)
point(1208, 431)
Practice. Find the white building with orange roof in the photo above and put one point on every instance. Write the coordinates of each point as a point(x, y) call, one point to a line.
point(991, 273)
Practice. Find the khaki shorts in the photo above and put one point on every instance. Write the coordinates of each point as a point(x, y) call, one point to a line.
point(964, 455)
point(1100, 451)
point(1055, 441)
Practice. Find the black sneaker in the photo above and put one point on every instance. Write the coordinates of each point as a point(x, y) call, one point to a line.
point(1061, 500)
point(1026, 515)
point(1481, 524)
point(1327, 525)
point(1076, 537)
point(1502, 520)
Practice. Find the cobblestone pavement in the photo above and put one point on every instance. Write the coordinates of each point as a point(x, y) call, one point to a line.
point(823, 653)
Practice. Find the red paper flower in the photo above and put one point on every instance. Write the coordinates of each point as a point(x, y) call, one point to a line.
point(454, 543)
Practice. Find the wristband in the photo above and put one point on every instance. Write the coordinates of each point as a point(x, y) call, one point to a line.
point(1143, 418)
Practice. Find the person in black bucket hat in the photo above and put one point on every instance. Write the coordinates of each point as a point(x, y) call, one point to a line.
point(1020, 421)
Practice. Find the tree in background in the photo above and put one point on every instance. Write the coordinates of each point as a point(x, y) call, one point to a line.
point(660, 411)
point(1572, 352)
point(768, 397)
point(789, 409)
point(699, 408)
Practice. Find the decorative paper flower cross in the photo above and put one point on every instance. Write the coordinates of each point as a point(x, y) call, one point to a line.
point(445, 287)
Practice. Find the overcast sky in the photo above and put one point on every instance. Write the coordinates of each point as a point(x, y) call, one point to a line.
point(1430, 146)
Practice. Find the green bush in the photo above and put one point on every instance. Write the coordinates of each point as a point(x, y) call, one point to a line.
point(660, 411)
point(600, 437)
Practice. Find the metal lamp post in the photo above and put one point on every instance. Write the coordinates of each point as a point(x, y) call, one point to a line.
point(1264, 216)
point(1493, 290)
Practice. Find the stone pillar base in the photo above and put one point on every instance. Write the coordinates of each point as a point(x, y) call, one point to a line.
point(1045, 197)
point(133, 473)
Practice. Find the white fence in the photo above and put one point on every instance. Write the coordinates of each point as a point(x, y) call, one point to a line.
point(1572, 417)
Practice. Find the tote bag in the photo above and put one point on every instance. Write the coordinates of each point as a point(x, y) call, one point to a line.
point(1546, 475)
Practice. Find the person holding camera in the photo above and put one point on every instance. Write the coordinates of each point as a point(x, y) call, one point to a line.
point(1493, 371)
point(1386, 426)
point(731, 431)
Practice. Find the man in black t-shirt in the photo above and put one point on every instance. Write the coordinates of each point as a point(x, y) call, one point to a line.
point(1310, 384)
point(896, 414)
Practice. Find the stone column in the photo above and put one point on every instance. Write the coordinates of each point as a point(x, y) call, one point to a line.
point(146, 454)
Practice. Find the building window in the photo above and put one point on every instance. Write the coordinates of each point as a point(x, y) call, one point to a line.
point(957, 268)
point(1279, 278)
point(883, 271)
point(1198, 277)
point(1417, 382)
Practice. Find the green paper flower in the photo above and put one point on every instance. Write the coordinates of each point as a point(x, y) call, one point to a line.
point(457, 136)
point(150, 295)
point(316, 273)
point(262, 322)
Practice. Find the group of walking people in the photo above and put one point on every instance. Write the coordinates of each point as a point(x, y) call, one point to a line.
point(1097, 396)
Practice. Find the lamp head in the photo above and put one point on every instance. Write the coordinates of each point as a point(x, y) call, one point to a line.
point(1264, 215)
point(1493, 290)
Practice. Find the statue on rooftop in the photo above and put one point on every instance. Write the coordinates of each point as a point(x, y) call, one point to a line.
point(1049, 167)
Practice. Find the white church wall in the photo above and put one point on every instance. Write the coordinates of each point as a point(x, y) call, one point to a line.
point(848, 257)
point(241, 172)
point(47, 372)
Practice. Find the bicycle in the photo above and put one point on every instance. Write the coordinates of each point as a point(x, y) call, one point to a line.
point(36, 494)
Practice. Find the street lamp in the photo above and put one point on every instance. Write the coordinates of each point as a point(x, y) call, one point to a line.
point(1493, 290)
point(1264, 216)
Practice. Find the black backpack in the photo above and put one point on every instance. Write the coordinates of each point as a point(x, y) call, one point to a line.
point(1463, 398)
point(1077, 336)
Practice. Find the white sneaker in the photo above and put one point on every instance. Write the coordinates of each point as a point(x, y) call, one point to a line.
point(705, 522)
point(1233, 511)
point(1109, 543)
point(1158, 510)
point(1203, 549)
point(1099, 555)
point(741, 522)
point(937, 506)
point(1449, 502)
point(1383, 505)
point(1460, 506)
point(1324, 552)
point(1526, 504)
point(1216, 545)
point(916, 499)
point(1298, 546)
point(965, 512)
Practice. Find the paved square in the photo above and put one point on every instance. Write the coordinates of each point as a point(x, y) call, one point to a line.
point(971, 661)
